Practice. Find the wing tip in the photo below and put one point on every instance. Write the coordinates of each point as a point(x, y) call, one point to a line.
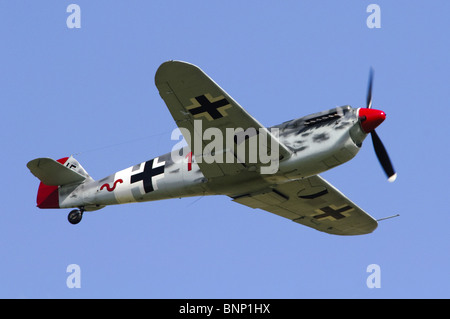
point(168, 68)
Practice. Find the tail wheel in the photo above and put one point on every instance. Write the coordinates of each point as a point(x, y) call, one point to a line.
point(75, 216)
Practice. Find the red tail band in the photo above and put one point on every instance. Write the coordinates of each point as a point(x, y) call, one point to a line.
point(48, 196)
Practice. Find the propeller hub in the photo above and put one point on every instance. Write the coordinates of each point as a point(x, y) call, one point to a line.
point(370, 119)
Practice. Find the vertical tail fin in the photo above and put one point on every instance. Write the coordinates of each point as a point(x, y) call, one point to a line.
point(73, 164)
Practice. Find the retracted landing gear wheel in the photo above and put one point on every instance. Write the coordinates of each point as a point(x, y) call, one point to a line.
point(75, 216)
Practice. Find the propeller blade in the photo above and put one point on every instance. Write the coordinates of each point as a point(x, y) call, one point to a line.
point(369, 90)
point(383, 157)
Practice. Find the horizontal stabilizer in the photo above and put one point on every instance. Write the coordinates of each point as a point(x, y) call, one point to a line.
point(53, 173)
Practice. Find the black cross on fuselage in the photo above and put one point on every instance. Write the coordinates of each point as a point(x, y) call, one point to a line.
point(209, 107)
point(146, 175)
point(336, 214)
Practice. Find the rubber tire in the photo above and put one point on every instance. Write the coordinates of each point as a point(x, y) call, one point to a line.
point(75, 216)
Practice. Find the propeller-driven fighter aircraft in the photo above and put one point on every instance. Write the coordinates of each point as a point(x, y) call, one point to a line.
point(230, 153)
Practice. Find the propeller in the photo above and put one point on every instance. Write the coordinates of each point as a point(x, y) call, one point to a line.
point(370, 119)
point(369, 90)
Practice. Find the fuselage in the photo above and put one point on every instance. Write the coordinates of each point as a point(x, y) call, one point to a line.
point(318, 142)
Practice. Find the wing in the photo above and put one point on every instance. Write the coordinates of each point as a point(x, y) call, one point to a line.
point(191, 95)
point(315, 203)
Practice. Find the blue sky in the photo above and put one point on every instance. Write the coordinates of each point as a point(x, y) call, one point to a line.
point(90, 92)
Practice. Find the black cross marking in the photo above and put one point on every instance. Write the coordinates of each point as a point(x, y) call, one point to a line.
point(146, 176)
point(336, 214)
point(209, 107)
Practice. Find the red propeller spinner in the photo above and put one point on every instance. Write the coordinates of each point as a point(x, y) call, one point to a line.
point(370, 119)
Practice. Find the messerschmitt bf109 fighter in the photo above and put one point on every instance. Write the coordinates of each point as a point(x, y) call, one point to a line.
point(230, 153)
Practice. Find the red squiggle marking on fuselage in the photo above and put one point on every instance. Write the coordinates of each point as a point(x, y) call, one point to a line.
point(110, 189)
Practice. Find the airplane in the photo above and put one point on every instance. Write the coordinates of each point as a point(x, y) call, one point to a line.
point(283, 179)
